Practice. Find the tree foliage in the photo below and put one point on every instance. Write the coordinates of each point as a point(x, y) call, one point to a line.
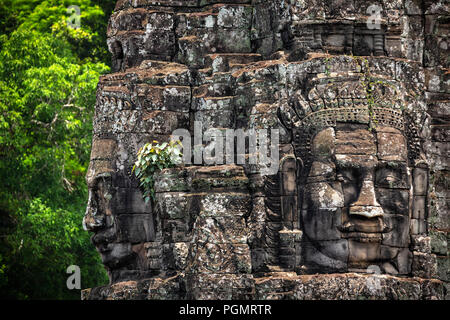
point(48, 77)
point(154, 157)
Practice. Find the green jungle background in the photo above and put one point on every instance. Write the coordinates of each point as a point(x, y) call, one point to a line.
point(48, 78)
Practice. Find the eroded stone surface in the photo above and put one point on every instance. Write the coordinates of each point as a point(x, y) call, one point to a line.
point(363, 179)
point(278, 286)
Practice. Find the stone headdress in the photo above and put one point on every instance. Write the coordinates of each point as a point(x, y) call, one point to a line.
point(325, 99)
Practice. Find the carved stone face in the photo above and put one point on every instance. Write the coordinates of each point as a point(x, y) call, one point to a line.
point(247, 66)
point(356, 210)
point(116, 214)
point(100, 216)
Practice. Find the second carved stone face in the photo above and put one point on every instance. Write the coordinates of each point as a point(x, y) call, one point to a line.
point(121, 221)
point(355, 210)
point(100, 217)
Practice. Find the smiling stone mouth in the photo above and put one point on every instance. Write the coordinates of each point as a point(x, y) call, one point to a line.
point(102, 238)
point(104, 249)
point(350, 230)
point(364, 236)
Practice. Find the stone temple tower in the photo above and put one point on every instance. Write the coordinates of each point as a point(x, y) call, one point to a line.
point(352, 98)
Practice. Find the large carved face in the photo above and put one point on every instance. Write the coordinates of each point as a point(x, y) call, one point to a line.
point(356, 204)
point(99, 217)
point(363, 181)
point(241, 66)
point(356, 208)
point(117, 215)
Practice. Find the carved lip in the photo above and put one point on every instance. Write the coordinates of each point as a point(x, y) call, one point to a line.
point(369, 231)
point(103, 237)
point(104, 249)
point(363, 236)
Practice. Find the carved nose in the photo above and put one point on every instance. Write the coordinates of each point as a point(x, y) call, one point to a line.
point(366, 205)
point(92, 219)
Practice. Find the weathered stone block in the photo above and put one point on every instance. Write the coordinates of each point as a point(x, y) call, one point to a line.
point(419, 208)
point(172, 180)
point(440, 214)
point(165, 98)
point(103, 149)
point(327, 255)
point(136, 228)
point(360, 133)
point(355, 142)
point(176, 231)
point(443, 268)
point(393, 201)
point(130, 201)
point(234, 17)
point(220, 258)
point(391, 146)
point(174, 256)
point(211, 229)
point(439, 242)
point(422, 244)
point(399, 230)
point(418, 226)
point(177, 205)
point(424, 265)
point(218, 286)
point(420, 181)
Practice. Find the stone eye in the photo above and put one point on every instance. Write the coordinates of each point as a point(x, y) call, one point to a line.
point(102, 180)
point(349, 182)
point(345, 177)
point(389, 179)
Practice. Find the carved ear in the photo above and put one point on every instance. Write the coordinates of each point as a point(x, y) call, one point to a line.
point(288, 172)
point(299, 166)
point(288, 163)
point(288, 189)
point(287, 116)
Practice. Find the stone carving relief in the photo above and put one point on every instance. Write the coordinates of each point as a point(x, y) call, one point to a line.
point(361, 114)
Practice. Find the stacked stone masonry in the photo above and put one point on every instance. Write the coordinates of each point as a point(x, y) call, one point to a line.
point(363, 180)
